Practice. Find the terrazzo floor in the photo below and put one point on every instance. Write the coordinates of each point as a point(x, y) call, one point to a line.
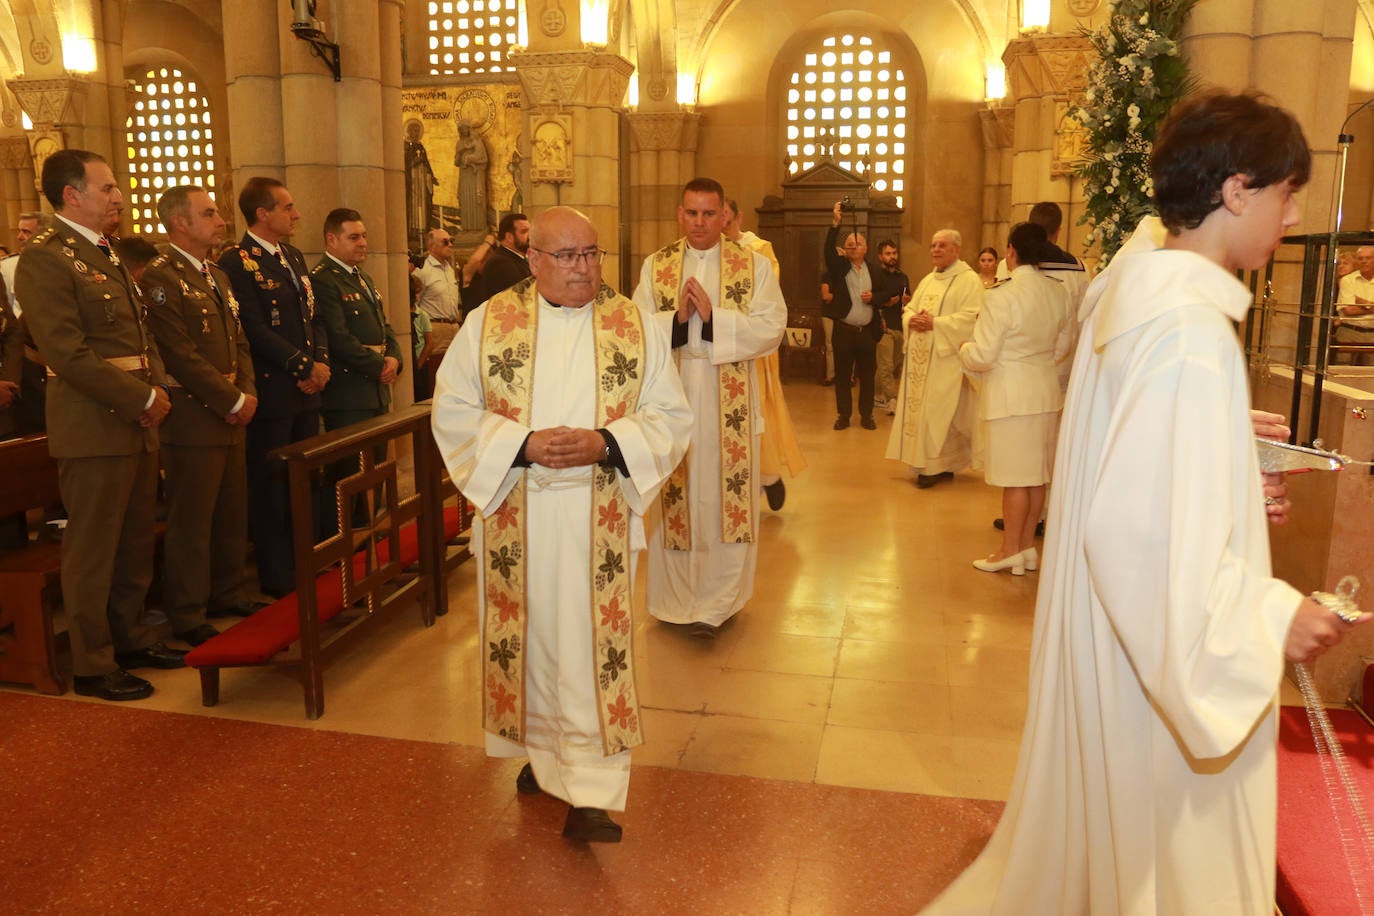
point(843, 747)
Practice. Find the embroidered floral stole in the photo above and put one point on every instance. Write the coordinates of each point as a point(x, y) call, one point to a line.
point(738, 495)
point(508, 338)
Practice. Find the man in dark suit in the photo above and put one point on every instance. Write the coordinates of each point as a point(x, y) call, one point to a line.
point(363, 350)
point(858, 321)
point(106, 398)
point(192, 312)
point(290, 350)
point(507, 264)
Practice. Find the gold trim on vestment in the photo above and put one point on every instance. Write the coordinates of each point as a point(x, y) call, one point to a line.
point(509, 332)
point(738, 495)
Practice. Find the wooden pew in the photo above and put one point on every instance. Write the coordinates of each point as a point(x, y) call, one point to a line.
point(401, 557)
point(30, 577)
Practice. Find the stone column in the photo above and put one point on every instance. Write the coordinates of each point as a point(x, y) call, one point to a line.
point(662, 159)
point(1046, 76)
point(16, 182)
point(334, 144)
point(573, 104)
point(999, 131)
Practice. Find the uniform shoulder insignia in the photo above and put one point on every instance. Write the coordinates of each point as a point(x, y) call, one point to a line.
point(158, 261)
point(317, 268)
point(228, 248)
point(45, 234)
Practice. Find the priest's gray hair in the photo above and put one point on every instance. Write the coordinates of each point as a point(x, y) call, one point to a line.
point(952, 234)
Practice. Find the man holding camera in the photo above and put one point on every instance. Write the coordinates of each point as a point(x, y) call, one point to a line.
point(858, 320)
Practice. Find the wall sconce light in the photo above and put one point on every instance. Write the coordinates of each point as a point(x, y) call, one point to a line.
point(996, 86)
point(307, 28)
point(1035, 15)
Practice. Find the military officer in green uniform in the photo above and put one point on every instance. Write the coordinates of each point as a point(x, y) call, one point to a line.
point(364, 354)
point(194, 318)
point(105, 402)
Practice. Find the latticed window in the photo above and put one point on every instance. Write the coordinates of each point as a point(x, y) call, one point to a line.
point(170, 142)
point(850, 96)
point(472, 36)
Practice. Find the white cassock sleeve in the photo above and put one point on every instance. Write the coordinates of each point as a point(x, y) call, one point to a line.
point(736, 336)
point(1203, 625)
point(476, 445)
point(740, 336)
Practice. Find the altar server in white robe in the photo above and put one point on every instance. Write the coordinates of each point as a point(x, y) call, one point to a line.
point(1146, 778)
point(936, 406)
point(559, 414)
point(722, 307)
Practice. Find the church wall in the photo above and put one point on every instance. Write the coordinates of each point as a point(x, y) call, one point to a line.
point(739, 100)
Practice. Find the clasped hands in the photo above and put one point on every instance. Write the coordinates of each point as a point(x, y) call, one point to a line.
point(565, 447)
point(157, 411)
point(319, 377)
point(922, 321)
point(693, 299)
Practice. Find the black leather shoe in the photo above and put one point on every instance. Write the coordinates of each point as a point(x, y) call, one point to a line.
point(591, 825)
point(155, 656)
point(525, 783)
point(776, 493)
point(237, 610)
point(926, 481)
point(198, 635)
point(867, 423)
point(1001, 525)
point(117, 685)
point(842, 423)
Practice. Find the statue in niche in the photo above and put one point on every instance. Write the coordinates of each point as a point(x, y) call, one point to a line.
point(420, 184)
point(470, 158)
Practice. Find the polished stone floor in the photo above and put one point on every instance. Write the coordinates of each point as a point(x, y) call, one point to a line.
point(871, 655)
point(840, 748)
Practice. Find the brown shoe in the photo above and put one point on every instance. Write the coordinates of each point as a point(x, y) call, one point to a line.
point(591, 825)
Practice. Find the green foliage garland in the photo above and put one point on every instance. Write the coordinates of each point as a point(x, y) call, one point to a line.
point(1131, 87)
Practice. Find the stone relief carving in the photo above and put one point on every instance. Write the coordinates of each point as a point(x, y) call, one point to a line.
point(1083, 8)
point(1070, 139)
point(15, 153)
point(52, 101)
point(552, 145)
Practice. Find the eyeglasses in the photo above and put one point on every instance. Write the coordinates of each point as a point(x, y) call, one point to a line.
point(568, 259)
point(446, 241)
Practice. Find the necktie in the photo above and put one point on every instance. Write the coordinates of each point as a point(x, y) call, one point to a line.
point(209, 280)
point(281, 255)
point(104, 245)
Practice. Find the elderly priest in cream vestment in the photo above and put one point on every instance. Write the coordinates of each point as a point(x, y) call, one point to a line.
point(559, 414)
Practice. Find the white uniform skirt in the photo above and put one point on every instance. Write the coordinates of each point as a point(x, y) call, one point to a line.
point(1020, 450)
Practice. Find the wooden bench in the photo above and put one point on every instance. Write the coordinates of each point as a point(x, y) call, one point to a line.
point(401, 556)
point(30, 577)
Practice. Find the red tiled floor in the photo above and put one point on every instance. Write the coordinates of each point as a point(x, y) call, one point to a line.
point(107, 808)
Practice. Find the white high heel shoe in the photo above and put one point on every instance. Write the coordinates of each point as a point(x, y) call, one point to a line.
point(1032, 559)
point(1015, 563)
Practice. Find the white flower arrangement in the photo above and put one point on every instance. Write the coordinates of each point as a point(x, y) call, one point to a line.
point(1131, 87)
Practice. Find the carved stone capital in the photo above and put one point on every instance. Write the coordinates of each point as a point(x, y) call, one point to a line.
point(999, 127)
point(1048, 65)
point(665, 130)
point(556, 80)
point(59, 101)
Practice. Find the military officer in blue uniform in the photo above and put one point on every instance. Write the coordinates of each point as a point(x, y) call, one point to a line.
point(290, 352)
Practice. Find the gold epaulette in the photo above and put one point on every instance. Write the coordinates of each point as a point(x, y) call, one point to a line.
point(45, 234)
point(158, 261)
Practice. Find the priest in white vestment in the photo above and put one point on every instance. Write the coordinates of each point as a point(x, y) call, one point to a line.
point(561, 464)
point(1146, 777)
point(721, 305)
point(936, 405)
